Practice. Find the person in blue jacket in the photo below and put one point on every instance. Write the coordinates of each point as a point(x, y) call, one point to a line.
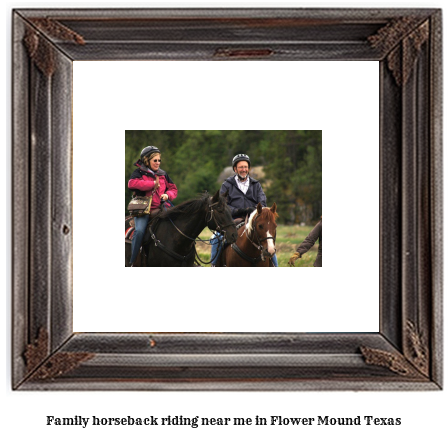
point(244, 194)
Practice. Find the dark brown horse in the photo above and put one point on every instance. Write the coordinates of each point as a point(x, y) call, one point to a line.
point(255, 245)
point(170, 239)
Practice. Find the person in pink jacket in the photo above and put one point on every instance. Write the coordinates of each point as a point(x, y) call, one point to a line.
point(149, 180)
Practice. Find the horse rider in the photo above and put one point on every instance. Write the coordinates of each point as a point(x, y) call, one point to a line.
point(308, 243)
point(144, 183)
point(244, 194)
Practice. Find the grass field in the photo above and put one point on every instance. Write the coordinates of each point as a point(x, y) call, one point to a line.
point(288, 239)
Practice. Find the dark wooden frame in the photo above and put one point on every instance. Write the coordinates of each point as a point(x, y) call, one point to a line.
point(406, 353)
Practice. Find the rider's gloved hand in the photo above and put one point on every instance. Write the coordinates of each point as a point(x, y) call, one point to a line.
point(240, 212)
point(249, 210)
point(293, 258)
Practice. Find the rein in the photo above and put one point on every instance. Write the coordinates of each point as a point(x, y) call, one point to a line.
point(173, 254)
point(252, 260)
point(218, 228)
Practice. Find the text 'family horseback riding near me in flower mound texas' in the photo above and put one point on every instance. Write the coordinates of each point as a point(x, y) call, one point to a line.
point(199, 421)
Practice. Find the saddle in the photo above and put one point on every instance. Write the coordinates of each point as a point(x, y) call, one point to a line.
point(239, 222)
point(130, 224)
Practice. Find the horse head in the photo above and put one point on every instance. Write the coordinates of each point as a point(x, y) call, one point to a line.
point(262, 228)
point(220, 217)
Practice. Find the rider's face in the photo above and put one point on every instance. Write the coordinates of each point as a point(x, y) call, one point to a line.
point(242, 169)
point(155, 162)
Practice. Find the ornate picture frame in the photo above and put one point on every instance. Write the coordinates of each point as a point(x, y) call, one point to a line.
point(406, 353)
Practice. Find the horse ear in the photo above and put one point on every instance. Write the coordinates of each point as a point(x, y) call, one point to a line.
point(259, 208)
point(226, 194)
point(274, 208)
point(215, 197)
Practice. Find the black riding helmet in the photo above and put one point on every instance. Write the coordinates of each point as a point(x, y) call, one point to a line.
point(240, 157)
point(149, 150)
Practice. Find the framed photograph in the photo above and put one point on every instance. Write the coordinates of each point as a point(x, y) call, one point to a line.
point(197, 165)
point(52, 351)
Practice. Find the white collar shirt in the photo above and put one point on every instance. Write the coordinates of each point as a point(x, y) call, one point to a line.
point(242, 185)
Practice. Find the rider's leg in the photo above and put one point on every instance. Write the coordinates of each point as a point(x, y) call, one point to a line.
point(275, 261)
point(216, 242)
point(140, 228)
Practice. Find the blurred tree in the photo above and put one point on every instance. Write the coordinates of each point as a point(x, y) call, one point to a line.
point(291, 162)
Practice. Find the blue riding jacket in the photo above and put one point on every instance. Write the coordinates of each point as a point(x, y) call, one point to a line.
point(237, 199)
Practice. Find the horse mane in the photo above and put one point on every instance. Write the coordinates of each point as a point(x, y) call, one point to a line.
point(189, 207)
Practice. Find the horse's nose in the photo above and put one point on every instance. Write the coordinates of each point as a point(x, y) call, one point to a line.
point(270, 250)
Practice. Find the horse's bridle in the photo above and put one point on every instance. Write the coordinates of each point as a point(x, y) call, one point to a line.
point(260, 246)
point(219, 228)
point(261, 257)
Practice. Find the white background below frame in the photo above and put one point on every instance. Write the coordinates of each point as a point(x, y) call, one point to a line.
point(339, 98)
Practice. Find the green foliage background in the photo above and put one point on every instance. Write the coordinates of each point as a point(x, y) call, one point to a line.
point(291, 160)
